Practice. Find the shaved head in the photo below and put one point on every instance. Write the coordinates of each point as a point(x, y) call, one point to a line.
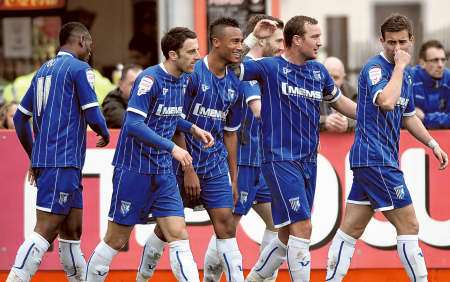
point(336, 69)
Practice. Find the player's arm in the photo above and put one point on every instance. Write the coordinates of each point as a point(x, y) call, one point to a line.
point(198, 133)
point(345, 106)
point(413, 124)
point(252, 95)
point(21, 121)
point(84, 83)
point(388, 97)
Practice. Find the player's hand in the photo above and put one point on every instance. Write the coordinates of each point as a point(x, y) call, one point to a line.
point(264, 28)
point(32, 176)
point(191, 184)
point(202, 135)
point(182, 156)
point(234, 188)
point(102, 142)
point(401, 58)
point(441, 156)
point(336, 123)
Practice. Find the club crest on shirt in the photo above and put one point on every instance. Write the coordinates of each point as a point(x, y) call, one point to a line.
point(205, 87)
point(400, 192)
point(317, 75)
point(253, 82)
point(243, 198)
point(295, 203)
point(375, 74)
point(124, 207)
point(145, 85)
point(90, 76)
point(165, 90)
point(63, 197)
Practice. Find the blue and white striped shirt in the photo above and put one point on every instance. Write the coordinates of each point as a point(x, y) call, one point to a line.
point(291, 96)
point(158, 96)
point(377, 132)
point(213, 104)
point(60, 90)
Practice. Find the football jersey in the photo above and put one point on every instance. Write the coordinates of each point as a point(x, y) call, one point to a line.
point(249, 149)
point(213, 104)
point(290, 101)
point(158, 96)
point(60, 90)
point(377, 131)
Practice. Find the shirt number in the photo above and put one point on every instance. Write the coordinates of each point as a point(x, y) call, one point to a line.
point(43, 89)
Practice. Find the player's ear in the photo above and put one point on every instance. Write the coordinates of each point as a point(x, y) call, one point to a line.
point(173, 55)
point(215, 42)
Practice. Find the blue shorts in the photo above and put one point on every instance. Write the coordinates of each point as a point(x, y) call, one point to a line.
point(215, 192)
point(59, 189)
point(136, 196)
point(292, 185)
point(383, 188)
point(252, 189)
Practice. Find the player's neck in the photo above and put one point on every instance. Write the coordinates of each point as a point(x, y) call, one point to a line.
point(294, 56)
point(68, 49)
point(255, 53)
point(172, 69)
point(216, 65)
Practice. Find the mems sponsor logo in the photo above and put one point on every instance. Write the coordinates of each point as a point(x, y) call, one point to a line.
point(287, 89)
point(201, 111)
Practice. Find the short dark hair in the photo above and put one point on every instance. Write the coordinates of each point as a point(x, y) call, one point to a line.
point(174, 39)
point(427, 45)
point(395, 23)
point(256, 18)
point(296, 26)
point(217, 26)
point(127, 68)
point(70, 29)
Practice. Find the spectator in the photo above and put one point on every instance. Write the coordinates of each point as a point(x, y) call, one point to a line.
point(115, 103)
point(330, 120)
point(143, 50)
point(7, 112)
point(431, 86)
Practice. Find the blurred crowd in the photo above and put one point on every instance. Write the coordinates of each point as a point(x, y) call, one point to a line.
point(431, 88)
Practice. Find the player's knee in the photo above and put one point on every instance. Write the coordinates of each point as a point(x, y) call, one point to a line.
point(176, 234)
point(71, 232)
point(301, 229)
point(224, 227)
point(410, 226)
point(116, 242)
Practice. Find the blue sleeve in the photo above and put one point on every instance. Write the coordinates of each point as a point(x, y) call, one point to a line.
point(250, 90)
point(23, 131)
point(376, 79)
point(136, 127)
point(330, 92)
point(84, 82)
point(26, 105)
point(141, 95)
point(184, 125)
point(234, 116)
point(252, 70)
point(96, 121)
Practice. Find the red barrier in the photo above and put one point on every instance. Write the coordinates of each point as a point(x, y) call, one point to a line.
point(429, 188)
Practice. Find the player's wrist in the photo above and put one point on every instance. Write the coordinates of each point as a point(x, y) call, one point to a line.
point(251, 40)
point(432, 144)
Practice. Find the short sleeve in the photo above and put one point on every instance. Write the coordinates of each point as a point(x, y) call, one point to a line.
point(84, 81)
point(377, 79)
point(252, 70)
point(141, 94)
point(250, 90)
point(234, 115)
point(330, 92)
point(26, 105)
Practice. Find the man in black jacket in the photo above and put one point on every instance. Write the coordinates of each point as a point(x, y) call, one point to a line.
point(115, 103)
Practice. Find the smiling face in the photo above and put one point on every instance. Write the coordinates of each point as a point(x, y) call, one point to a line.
point(309, 44)
point(228, 44)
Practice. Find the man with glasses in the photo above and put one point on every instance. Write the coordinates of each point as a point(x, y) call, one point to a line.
point(431, 86)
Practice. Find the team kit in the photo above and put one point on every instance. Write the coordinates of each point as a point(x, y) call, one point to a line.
point(234, 130)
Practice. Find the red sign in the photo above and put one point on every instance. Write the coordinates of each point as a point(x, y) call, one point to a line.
point(428, 186)
point(19, 5)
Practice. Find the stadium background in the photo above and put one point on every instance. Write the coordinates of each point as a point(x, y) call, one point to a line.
point(349, 32)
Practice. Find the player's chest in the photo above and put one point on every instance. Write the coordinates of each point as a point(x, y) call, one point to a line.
point(220, 96)
point(168, 100)
point(298, 85)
